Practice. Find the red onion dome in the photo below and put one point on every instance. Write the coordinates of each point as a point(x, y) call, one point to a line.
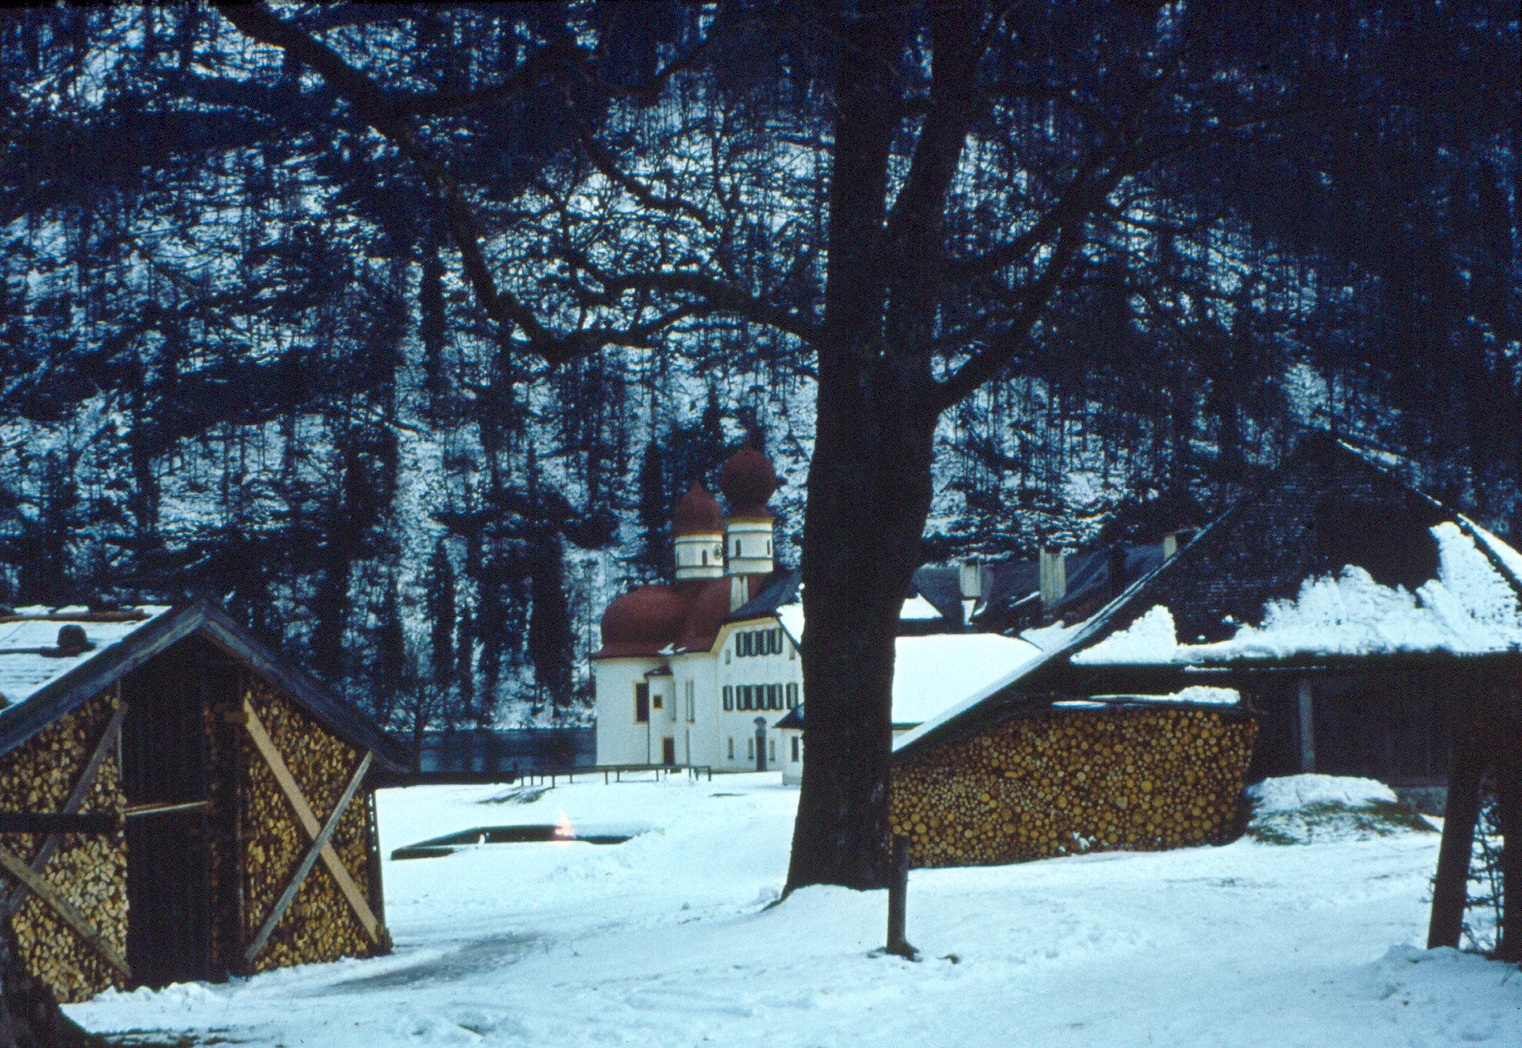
point(747, 481)
point(697, 513)
point(705, 615)
point(643, 621)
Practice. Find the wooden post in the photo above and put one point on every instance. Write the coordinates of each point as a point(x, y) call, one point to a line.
point(1509, 793)
point(1307, 727)
point(898, 892)
point(1450, 889)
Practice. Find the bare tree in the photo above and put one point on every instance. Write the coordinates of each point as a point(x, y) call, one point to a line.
point(900, 206)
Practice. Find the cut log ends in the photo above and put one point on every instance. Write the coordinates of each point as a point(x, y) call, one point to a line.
point(1066, 782)
point(88, 871)
point(320, 924)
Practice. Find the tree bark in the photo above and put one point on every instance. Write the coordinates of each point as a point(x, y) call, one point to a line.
point(29, 1013)
point(870, 475)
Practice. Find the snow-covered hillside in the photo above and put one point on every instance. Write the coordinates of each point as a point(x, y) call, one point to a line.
point(669, 939)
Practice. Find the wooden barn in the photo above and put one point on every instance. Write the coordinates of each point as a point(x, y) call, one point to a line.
point(1369, 629)
point(178, 802)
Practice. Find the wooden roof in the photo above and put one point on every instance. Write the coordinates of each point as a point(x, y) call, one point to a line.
point(110, 662)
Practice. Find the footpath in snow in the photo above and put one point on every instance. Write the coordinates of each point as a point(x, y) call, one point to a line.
point(668, 939)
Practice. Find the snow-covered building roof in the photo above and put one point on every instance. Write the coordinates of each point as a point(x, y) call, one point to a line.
point(942, 672)
point(53, 660)
point(1331, 562)
point(933, 672)
point(933, 604)
point(35, 647)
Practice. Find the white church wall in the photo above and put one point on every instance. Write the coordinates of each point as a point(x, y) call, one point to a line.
point(620, 738)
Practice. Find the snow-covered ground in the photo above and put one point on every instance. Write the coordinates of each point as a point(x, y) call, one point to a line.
point(668, 939)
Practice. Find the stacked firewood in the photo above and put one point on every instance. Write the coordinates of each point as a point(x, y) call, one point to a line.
point(88, 871)
point(320, 925)
point(1067, 781)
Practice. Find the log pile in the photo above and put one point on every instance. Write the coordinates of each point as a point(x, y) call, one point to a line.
point(1067, 781)
point(89, 871)
point(320, 925)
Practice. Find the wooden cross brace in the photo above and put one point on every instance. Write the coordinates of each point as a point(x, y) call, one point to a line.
point(71, 806)
point(320, 835)
point(64, 909)
point(30, 877)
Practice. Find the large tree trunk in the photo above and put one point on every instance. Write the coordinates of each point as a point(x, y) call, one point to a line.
point(869, 478)
point(29, 1013)
point(869, 492)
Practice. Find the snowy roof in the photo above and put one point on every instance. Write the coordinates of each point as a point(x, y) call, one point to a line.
point(1330, 560)
point(933, 602)
point(944, 669)
point(1470, 608)
point(917, 607)
point(44, 680)
point(30, 658)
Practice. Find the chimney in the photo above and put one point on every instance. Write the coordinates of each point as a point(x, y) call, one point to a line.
point(1054, 576)
point(971, 581)
point(970, 578)
point(72, 640)
point(1176, 540)
point(1115, 566)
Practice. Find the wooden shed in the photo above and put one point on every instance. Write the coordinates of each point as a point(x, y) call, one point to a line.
point(178, 802)
point(1370, 629)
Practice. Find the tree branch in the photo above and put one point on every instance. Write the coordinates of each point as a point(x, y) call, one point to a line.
point(383, 115)
point(526, 75)
point(717, 296)
point(604, 161)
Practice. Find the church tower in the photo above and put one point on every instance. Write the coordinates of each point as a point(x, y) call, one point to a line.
point(698, 528)
point(747, 481)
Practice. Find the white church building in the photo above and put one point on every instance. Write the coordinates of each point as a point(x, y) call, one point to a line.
point(707, 671)
point(687, 674)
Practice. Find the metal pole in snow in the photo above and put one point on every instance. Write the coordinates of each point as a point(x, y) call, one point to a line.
point(898, 891)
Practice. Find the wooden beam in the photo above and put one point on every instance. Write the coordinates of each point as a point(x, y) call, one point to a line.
point(318, 844)
point(75, 800)
point(1450, 888)
point(133, 811)
point(64, 909)
point(56, 824)
point(288, 785)
point(1307, 727)
point(1509, 795)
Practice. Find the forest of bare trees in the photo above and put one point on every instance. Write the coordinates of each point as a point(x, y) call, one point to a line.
point(399, 329)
